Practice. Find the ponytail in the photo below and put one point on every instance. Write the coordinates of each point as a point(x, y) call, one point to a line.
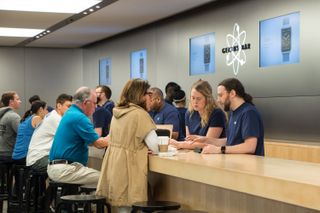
point(236, 85)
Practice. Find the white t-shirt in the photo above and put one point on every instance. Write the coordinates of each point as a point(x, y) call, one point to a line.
point(42, 137)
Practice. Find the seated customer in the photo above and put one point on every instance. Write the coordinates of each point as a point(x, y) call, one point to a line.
point(69, 152)
point(204, 117)
point(42, 137)
point(25, 131)
point(9, 122)
point(164, 113)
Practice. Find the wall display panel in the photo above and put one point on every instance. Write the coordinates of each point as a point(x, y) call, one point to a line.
point(280, 40)
point(138, 64)
point(202, 54)
point(105, 71)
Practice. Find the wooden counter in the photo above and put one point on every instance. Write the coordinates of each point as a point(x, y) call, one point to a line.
point(245, 183)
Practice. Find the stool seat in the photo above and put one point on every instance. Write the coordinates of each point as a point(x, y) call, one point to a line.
point(88, 188)
point(150, 206)
point(85, 200)
point(82, 198)
point(183, 211)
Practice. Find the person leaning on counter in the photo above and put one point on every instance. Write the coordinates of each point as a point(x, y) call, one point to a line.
point(245, 133)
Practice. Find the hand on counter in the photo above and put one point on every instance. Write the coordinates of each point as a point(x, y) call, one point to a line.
point(211, 149)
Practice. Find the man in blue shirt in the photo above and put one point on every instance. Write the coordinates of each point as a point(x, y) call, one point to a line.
point(103, 98)
point(69, 152)
point(245, 133)
point(164, 113)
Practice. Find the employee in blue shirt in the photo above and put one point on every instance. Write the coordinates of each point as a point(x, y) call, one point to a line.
point(164, 113)
point(245, 133)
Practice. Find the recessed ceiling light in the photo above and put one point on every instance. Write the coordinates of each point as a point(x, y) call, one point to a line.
point(85, 13)
point(56, 6)
point(19, 32)
point(91, 10)
point(48, 31)
point(97, 6)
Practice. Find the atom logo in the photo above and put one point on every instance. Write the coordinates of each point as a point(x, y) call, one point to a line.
point(236, 43)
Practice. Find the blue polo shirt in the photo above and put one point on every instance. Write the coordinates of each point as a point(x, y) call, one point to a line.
point(75, 132)
point(109, 105)
point(102, 119)
point(167, 115)
point(246, 122)
point(217, 119)
point(182, 113)
point(24, 135)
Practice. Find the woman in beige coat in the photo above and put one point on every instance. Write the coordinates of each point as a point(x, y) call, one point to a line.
point(123, 178)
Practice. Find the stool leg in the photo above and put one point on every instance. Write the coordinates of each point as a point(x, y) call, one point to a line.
point(108, 207)
point(28, 193)
point(100, 208)
point(1, 205)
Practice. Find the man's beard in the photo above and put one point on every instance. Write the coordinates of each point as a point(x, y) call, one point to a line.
point(226, 105)
point(98, 99)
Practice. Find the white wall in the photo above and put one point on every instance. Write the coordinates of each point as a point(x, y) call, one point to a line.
point(46, 72)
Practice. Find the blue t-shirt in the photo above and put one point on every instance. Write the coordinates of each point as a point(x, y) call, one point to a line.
point(217, 119)
point(109, 106)
point(182, 113)
point(72, 137)
point(246, 122)
point(167, 115)
point(24, 135)
point(101, 119)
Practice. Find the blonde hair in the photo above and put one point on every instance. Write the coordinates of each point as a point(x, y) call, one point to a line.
point(205, 89)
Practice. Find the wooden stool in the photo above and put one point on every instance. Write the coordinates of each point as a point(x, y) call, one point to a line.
point(151, 206)
point(87, 189)
point(5, 180)
point(86, 200)
point(36, 183)
point(58, 189)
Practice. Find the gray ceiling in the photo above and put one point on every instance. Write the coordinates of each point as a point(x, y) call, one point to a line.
point(118, 17)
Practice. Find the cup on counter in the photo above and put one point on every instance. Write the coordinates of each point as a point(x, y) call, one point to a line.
point(163, 142)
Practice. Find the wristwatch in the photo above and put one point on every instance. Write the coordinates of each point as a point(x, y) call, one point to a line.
point(286, 39)
point(223, 149)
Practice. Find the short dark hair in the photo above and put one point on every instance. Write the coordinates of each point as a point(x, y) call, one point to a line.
point(172, 84)
point(106, 90)
point(63, 98)
point(6, 97)
point(236, 85)
point(179, 96)
point(34, 98)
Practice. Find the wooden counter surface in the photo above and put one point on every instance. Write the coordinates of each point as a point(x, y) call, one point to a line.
point(287, 181)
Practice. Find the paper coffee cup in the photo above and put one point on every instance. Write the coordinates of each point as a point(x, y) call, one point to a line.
point(163, 142)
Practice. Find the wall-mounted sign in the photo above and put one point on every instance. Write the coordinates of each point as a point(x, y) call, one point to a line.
point(280, 40)
point(234, 50)
point(202, 57)
point(139, 64)
point(105, 71)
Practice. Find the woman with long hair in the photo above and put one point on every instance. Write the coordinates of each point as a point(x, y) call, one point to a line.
point(25, 131)
point(124, 170)
point(204, 118)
